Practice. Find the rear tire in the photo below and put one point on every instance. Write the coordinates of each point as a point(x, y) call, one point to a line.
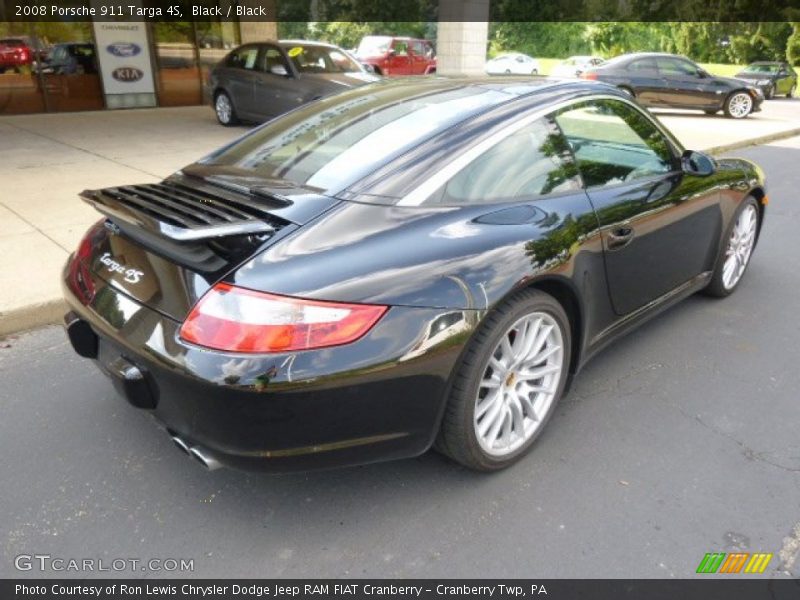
point(223, 107)
point(740, 239)
point(508, 383)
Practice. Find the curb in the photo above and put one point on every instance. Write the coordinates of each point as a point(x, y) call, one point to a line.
point(771, 137)
point(32, 316)
point(52, 311)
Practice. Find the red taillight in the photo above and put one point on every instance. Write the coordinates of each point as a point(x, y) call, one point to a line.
point(80, 279)
point(589, 75)
point(242, 320)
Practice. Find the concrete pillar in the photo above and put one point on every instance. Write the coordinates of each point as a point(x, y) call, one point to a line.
point(258, 31)
point(462, 37)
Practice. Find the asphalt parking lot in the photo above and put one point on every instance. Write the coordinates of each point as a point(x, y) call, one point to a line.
point(679, 440)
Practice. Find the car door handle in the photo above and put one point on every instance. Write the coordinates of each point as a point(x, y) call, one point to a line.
point(619, 237)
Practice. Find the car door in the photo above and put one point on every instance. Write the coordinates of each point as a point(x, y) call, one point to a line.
point(238, 78)
point(277, 84)
point(417, 57)
point(686, 85)
point(660, 226)
point(643, 78)
point(399, 59)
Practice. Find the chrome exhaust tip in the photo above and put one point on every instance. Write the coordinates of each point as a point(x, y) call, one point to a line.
point(204, 458)
point(182, 446)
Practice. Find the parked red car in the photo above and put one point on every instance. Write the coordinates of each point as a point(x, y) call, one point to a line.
point(396, 56)
point(19, 52)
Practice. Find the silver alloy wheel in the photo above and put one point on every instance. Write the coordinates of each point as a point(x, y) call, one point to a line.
point(740, 246)
point(223, 108)
point(740, 105)
point(519, 384)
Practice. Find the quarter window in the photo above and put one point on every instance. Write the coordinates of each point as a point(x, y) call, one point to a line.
point(614, 143)
point(531, 162)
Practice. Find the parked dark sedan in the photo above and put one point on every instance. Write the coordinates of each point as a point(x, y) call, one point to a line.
point(256, 82)
point(772, 78)
point(669, 81)
point(399, 265)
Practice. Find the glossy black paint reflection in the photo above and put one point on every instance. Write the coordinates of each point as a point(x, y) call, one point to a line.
point(439, 269)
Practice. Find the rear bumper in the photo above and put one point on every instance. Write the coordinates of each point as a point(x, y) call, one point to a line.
point(378, 398)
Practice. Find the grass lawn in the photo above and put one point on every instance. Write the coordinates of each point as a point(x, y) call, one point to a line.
point(722, 70)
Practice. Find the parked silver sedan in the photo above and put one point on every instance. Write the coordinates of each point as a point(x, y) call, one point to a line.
point(259, 81)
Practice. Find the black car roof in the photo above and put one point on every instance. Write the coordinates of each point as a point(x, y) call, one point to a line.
point(514, 87)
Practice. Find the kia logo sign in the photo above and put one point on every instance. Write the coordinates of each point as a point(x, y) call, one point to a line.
point(127, 74)
point(123, 49)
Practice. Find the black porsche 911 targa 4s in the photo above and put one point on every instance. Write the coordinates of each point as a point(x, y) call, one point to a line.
point(401, 265)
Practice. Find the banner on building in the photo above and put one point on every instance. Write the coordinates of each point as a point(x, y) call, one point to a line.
point(125, 66)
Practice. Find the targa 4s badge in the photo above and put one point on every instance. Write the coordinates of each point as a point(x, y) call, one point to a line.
point(130, 275)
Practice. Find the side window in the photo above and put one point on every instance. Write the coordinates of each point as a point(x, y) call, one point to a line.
point(614, 143)
point(644, 64)
point(400, 48)
point(243, 58)
point(531, 162)
point(678, 68)
point(418, 48)
point(271, 57)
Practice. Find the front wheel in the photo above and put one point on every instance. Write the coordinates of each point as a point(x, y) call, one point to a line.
point(508, 382)
point(738, 105)
point(223, 107)
point(733, 261)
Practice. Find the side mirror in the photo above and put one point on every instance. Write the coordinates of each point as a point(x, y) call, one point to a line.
point(279, 70)
point(392, 52)
point(368, 67)
point(702, 74)
point(697, 163)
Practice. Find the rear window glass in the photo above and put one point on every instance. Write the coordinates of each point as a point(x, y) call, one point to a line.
point(339, 140)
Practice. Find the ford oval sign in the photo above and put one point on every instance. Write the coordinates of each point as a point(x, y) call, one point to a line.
point(124, 49)
point(127, 74)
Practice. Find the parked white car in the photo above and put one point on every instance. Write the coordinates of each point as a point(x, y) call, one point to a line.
point(575, 65)
point(512, 64)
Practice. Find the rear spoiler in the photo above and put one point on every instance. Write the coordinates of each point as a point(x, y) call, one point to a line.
point(181, 213)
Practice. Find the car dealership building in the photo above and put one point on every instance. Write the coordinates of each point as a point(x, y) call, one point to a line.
point(97, 64)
